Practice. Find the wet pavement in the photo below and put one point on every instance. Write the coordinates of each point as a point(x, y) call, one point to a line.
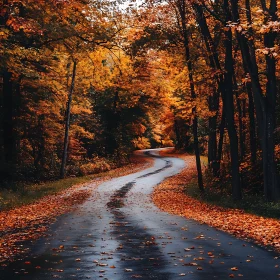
point(119, 234)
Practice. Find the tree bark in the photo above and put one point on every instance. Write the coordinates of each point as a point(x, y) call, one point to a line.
point(252, 124)
point(8, 123)
point(229, 108)
point(214, 63)
point(220, 144)
point(264, 104)
point(226, 88)
point(212, 128)
point(67, 122)
point(272, 189)
point(240, 121)
point(182, 11)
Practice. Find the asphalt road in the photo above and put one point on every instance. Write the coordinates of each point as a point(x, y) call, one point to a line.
point(119, 234)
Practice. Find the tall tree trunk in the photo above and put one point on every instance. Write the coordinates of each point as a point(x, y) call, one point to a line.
point(225, 86)
point(182, 11)
point(264, 104)
point(212, 128)
point(39, 157)
point(252, 124)
point(220, 144)
point(229, 108)
point(67, 123)
point(8, 123)
point(272, 190)
point(240, 121)
point(214, 160)
point(177, 135)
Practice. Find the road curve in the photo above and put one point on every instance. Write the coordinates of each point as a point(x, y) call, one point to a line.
point(120, 234)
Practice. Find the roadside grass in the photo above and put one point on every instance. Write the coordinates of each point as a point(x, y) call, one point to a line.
point(16, 194)
point(253, 204)
point(21, 193)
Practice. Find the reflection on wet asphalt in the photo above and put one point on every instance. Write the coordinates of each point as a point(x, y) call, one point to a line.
point(120, 234)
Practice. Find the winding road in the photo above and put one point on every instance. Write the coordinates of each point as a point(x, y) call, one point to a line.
point(120, 234)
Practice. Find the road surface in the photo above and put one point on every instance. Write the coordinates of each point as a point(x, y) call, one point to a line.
point(120, 234)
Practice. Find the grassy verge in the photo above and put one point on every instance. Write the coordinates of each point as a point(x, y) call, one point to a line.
point(250, 204)
point(22, 193)
point(253, 204)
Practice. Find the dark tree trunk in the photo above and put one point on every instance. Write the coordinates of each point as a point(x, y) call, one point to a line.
point(67, 123)
point(272, 188)
point(39, 156)
point(182, 11)
point(229, 109)
point(220, 144)
point(240, 121)
point(177, 134)
point(226, 88)
point(212, 128)
point(251, 111)
point(8, 123)
point(265, 105)
point(214, 159)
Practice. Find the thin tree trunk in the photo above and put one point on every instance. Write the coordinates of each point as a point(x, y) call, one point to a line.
point(67, 123)
point(176, 130)
point(8, 123)
point(220, 144)
point(240, 121)
point(39, 157)
point(182, 11)
point(214, 160)
point(251, 111)
point(212, 128)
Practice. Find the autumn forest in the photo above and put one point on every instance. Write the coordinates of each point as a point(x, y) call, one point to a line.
point(83, 83)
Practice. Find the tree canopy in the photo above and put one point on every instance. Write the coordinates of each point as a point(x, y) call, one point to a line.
point(84, 83)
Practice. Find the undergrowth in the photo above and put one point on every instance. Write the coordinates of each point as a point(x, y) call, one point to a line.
point(250, 203)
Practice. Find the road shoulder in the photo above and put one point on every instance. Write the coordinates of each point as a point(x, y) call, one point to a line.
point(170, 197)
point(32, 221)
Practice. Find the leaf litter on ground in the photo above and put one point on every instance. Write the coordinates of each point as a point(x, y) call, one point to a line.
point(30, 222)
point(170, 196)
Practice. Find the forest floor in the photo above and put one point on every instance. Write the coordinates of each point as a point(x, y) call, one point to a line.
point(31, 221)
point(172, 196)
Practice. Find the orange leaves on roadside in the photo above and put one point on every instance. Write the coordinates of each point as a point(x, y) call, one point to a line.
point(31, 221)
point(170, 197)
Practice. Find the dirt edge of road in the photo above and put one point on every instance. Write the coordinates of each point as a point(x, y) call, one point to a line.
point(170, 197)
